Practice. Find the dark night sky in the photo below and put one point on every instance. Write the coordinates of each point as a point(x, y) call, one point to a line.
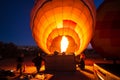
point(15, 21)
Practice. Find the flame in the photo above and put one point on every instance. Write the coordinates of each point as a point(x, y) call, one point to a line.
point(64, 44)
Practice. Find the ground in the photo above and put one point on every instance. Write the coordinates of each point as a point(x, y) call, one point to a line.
point(29, 68)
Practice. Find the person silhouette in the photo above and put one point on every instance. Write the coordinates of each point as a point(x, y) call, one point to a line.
point(38, 62)
point(82, 61)
point(20, 60)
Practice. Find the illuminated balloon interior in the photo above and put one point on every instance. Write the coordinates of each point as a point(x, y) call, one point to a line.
point(52, 20)
point(64, 44)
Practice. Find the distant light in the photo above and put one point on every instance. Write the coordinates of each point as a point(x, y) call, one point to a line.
point(11, 70)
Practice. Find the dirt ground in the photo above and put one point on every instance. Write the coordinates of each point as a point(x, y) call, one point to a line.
point(29, 68)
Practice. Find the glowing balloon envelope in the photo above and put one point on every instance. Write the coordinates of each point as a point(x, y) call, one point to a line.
point(53, 19)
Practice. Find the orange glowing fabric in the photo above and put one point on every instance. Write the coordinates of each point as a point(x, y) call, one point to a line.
point(52, 19)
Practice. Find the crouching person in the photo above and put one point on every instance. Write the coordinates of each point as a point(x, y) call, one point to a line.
point(82, 61)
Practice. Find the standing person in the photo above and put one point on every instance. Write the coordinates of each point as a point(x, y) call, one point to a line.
point(20, 61)
point(37, 62)
point(82, 61)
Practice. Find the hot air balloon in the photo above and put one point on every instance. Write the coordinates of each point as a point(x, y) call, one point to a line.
point(106, 39)
point(53, 19)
